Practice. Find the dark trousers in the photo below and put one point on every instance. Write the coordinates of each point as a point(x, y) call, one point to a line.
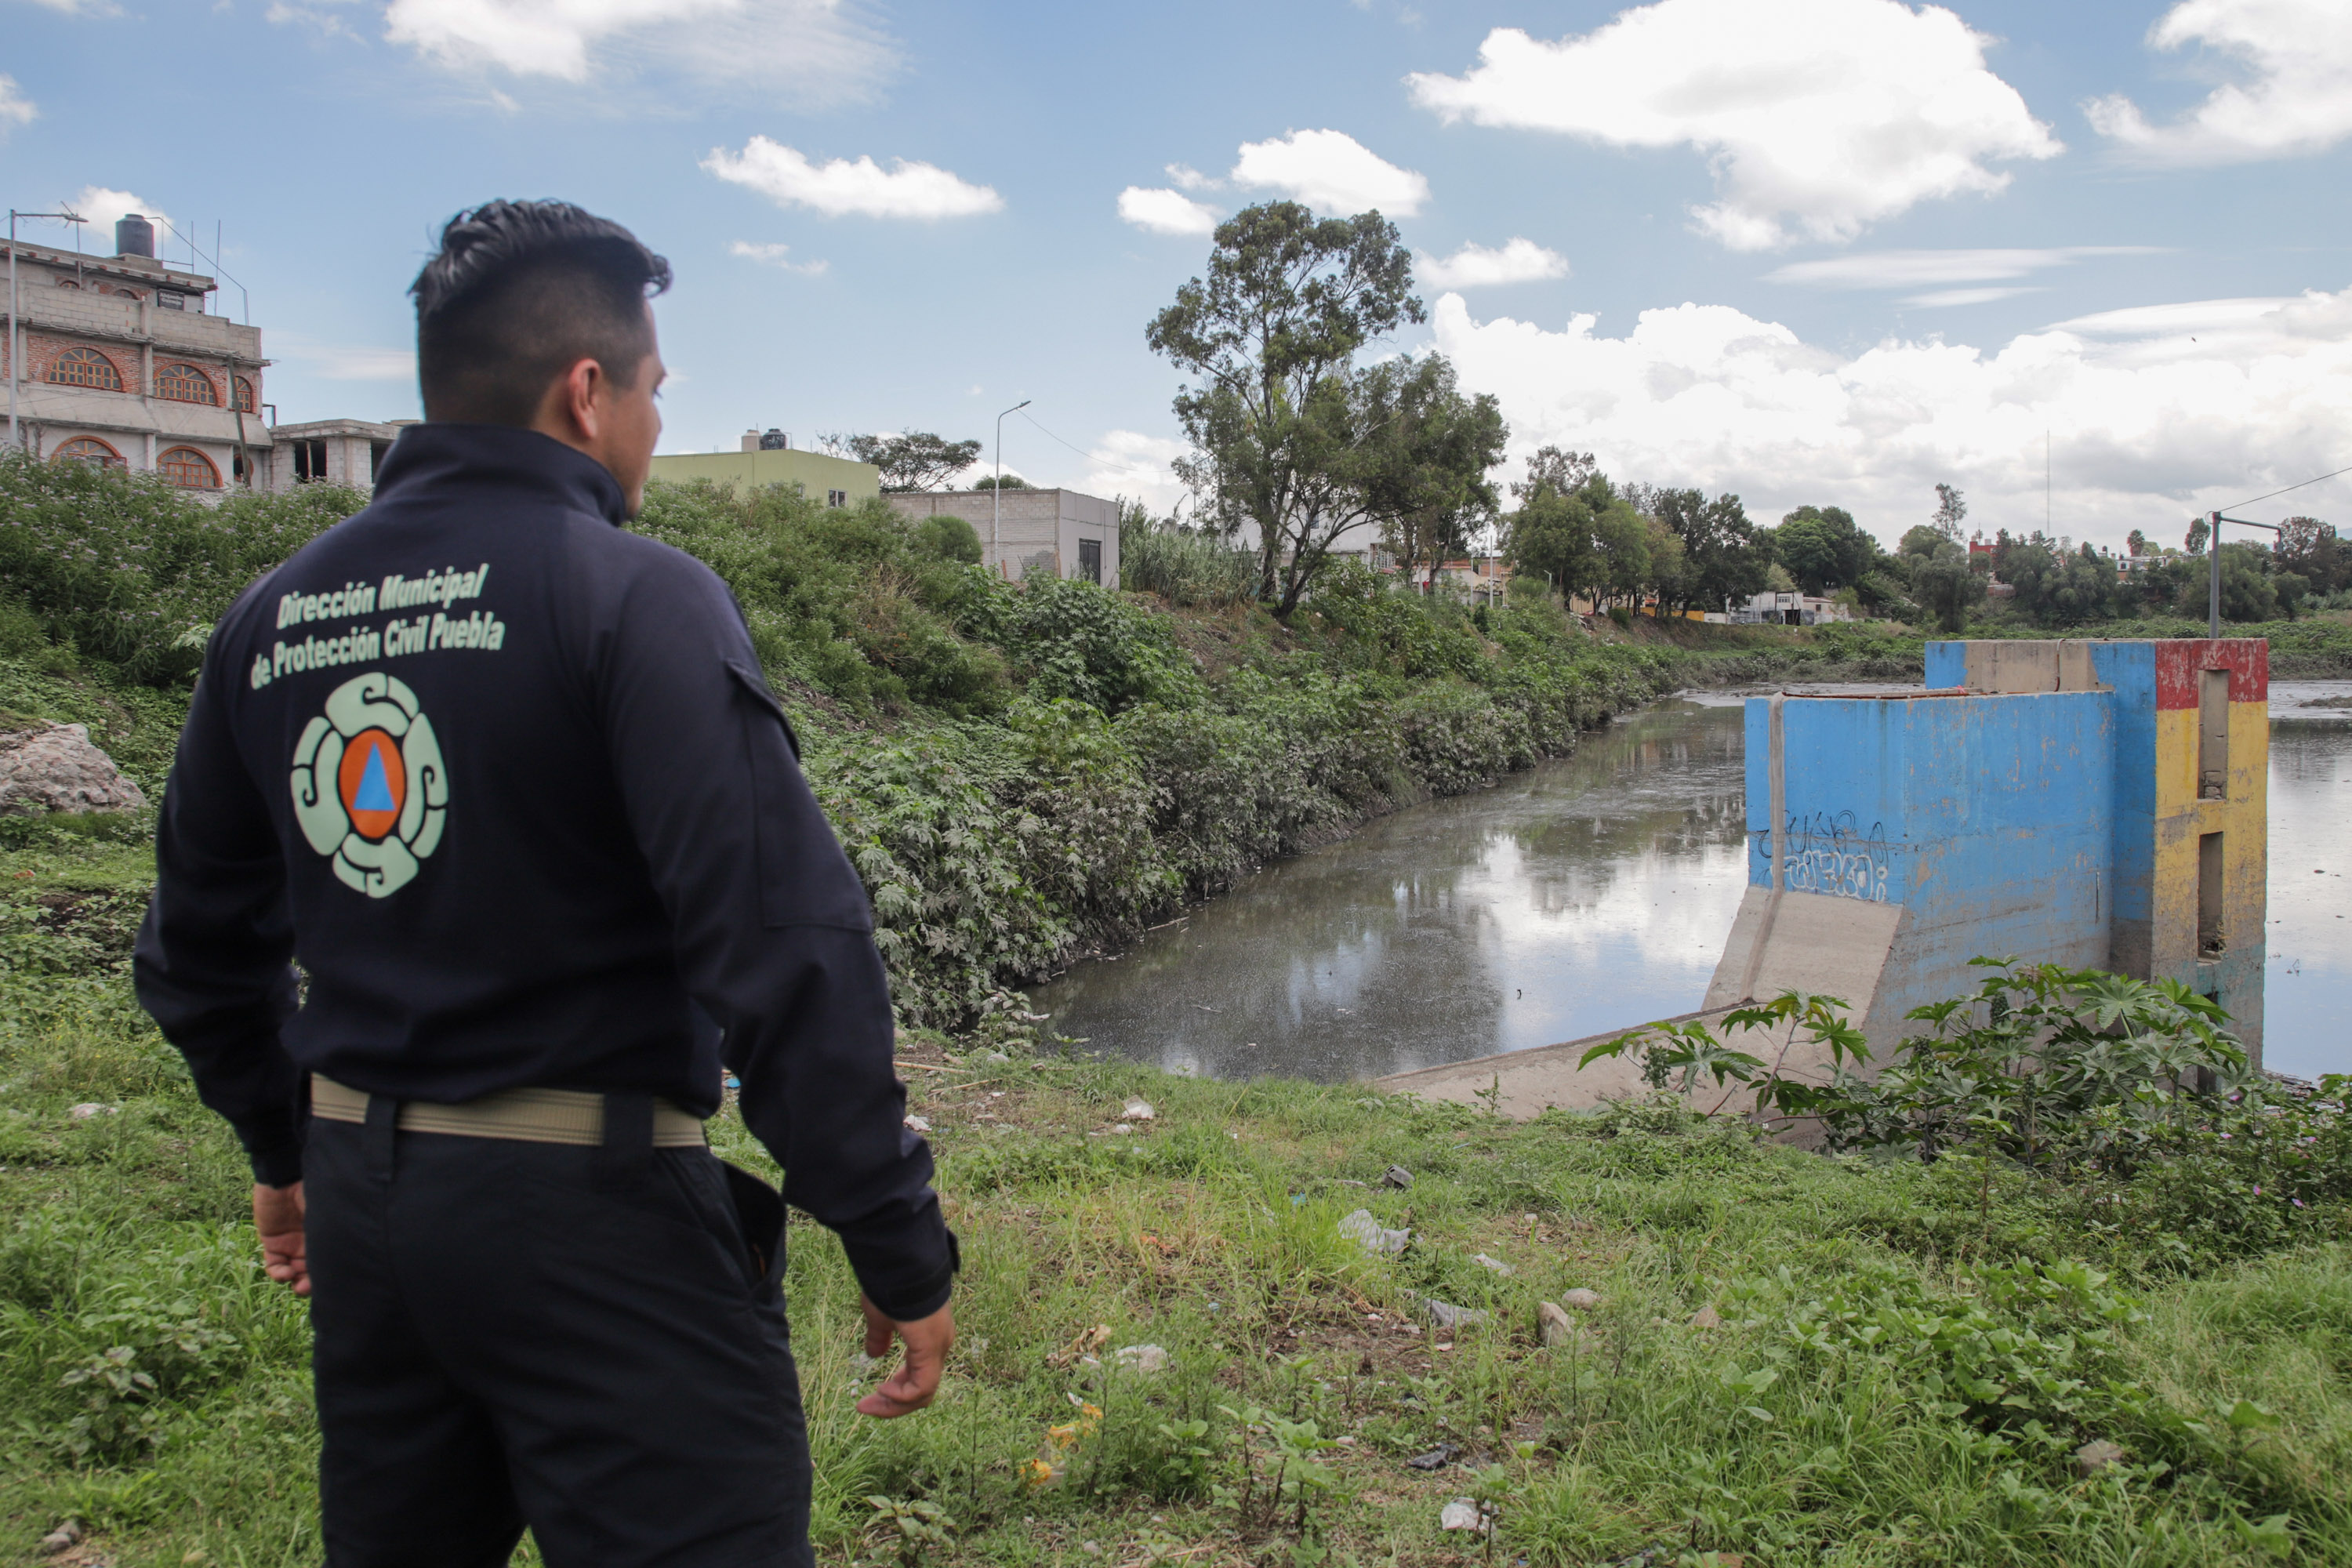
point(575, 1339)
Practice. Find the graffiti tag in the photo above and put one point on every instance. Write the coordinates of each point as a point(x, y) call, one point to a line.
point(1831, 855)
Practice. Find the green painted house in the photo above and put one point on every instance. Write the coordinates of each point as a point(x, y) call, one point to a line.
point(836, 481)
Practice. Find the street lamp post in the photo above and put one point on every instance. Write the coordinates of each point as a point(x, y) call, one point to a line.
point(996, 512)
point(15, 323)
point(2213, 592)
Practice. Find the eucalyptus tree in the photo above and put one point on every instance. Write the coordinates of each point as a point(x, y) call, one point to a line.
point(1275, 417)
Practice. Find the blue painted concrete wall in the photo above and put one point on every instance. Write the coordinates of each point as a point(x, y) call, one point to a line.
point(2129, 668)
point(1989, 818)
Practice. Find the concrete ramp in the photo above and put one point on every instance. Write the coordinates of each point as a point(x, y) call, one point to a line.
point(1812, 942)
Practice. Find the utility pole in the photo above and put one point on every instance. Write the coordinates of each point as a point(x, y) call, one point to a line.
point(2213, 544)
point(996, 513)
point(15, 315)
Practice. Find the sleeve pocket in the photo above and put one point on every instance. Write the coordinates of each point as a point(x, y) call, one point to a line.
point(770, 793)
point(756, 688)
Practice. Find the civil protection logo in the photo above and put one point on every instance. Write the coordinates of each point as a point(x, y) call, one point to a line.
point(369, 789)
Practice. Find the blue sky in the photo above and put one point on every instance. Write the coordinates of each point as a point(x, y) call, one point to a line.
point(1807, 250)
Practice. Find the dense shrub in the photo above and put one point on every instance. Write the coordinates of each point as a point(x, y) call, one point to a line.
point(122, 567)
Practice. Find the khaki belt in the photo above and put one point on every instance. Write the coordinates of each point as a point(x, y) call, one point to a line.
point(523, 1115)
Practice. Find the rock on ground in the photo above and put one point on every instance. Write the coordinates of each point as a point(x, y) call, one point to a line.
point(55, 768)
point(1461, 1514)
point(1558, 1327)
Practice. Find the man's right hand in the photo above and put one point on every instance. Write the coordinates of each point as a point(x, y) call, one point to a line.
point(278, 1215)
point(916, 1381)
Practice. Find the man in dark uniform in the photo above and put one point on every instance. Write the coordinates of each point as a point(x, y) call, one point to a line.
point(506, 781)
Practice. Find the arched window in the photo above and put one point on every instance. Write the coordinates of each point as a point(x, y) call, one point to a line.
point(188, 468)
point(185, 384)
point(244, 395)
point(67, 283)
point(86, 367)
point(88, 449)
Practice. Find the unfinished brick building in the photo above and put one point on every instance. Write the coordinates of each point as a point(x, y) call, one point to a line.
point(123, 365)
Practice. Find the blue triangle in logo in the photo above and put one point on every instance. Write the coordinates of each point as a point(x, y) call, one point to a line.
point(374, 793)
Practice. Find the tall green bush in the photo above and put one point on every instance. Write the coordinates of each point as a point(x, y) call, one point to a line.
point(122, 567)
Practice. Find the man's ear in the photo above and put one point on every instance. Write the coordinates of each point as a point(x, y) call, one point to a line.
point(572, 411)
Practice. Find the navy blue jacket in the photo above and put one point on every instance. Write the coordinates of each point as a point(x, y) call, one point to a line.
point(505, 780)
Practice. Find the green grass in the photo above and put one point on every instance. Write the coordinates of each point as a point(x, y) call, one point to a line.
point(1210, 1230)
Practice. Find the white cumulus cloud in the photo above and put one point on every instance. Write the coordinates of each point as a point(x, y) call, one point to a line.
point(1165, 211)
point(1331, 172)
point(2153, 415)
point(912, 190)
point(814, 52)
point(776, 255)
point(1129, 463)
point(2294, 58)
point(15, 108)
point(103, 207)
point(1475, 266)
point(1818, 117)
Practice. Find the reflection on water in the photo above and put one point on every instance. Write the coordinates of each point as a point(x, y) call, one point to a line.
point(2307, 988)
point(1592, 893)
point(1580, 895)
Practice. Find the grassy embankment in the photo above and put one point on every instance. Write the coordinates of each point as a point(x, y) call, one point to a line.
point(155, 1387)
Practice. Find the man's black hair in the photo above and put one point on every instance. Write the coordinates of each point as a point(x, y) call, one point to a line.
point(518, 292)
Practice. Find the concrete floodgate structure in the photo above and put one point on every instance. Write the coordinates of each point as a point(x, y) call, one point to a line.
point(2097, 804)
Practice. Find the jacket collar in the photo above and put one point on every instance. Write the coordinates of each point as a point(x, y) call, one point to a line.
point(432, 459)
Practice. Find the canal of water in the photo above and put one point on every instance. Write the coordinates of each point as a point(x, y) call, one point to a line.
point(1594, 893)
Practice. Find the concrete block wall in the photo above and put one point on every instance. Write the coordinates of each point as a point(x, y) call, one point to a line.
point(1025, 530)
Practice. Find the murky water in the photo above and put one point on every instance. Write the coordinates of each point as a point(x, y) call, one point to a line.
point(2308, 987)
point(1591, 893)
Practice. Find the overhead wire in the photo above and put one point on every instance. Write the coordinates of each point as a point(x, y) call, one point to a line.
point(2236, 504)
point(1089, 456)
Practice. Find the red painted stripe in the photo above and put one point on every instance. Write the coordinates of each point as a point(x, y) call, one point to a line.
point(2180, 661)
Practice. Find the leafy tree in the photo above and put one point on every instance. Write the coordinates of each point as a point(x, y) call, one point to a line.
point(1551, 533)
point(1427, 451)
point(1921, 539)
point(2199, 532)
point(1589, 540)
point(918, 460)
point(2136, 542)
point(1273, 332)
point(2249, 591)
point(2310, 550)
point(1824, 549)
point(1724, 554)
point(1952, 511)
point(1562, 472)
point(1007, 482)
point(2054, 585)
point(1945, 586)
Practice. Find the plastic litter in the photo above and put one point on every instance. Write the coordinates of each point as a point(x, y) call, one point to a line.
point(1362, 1228)
point(1446, 1315)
